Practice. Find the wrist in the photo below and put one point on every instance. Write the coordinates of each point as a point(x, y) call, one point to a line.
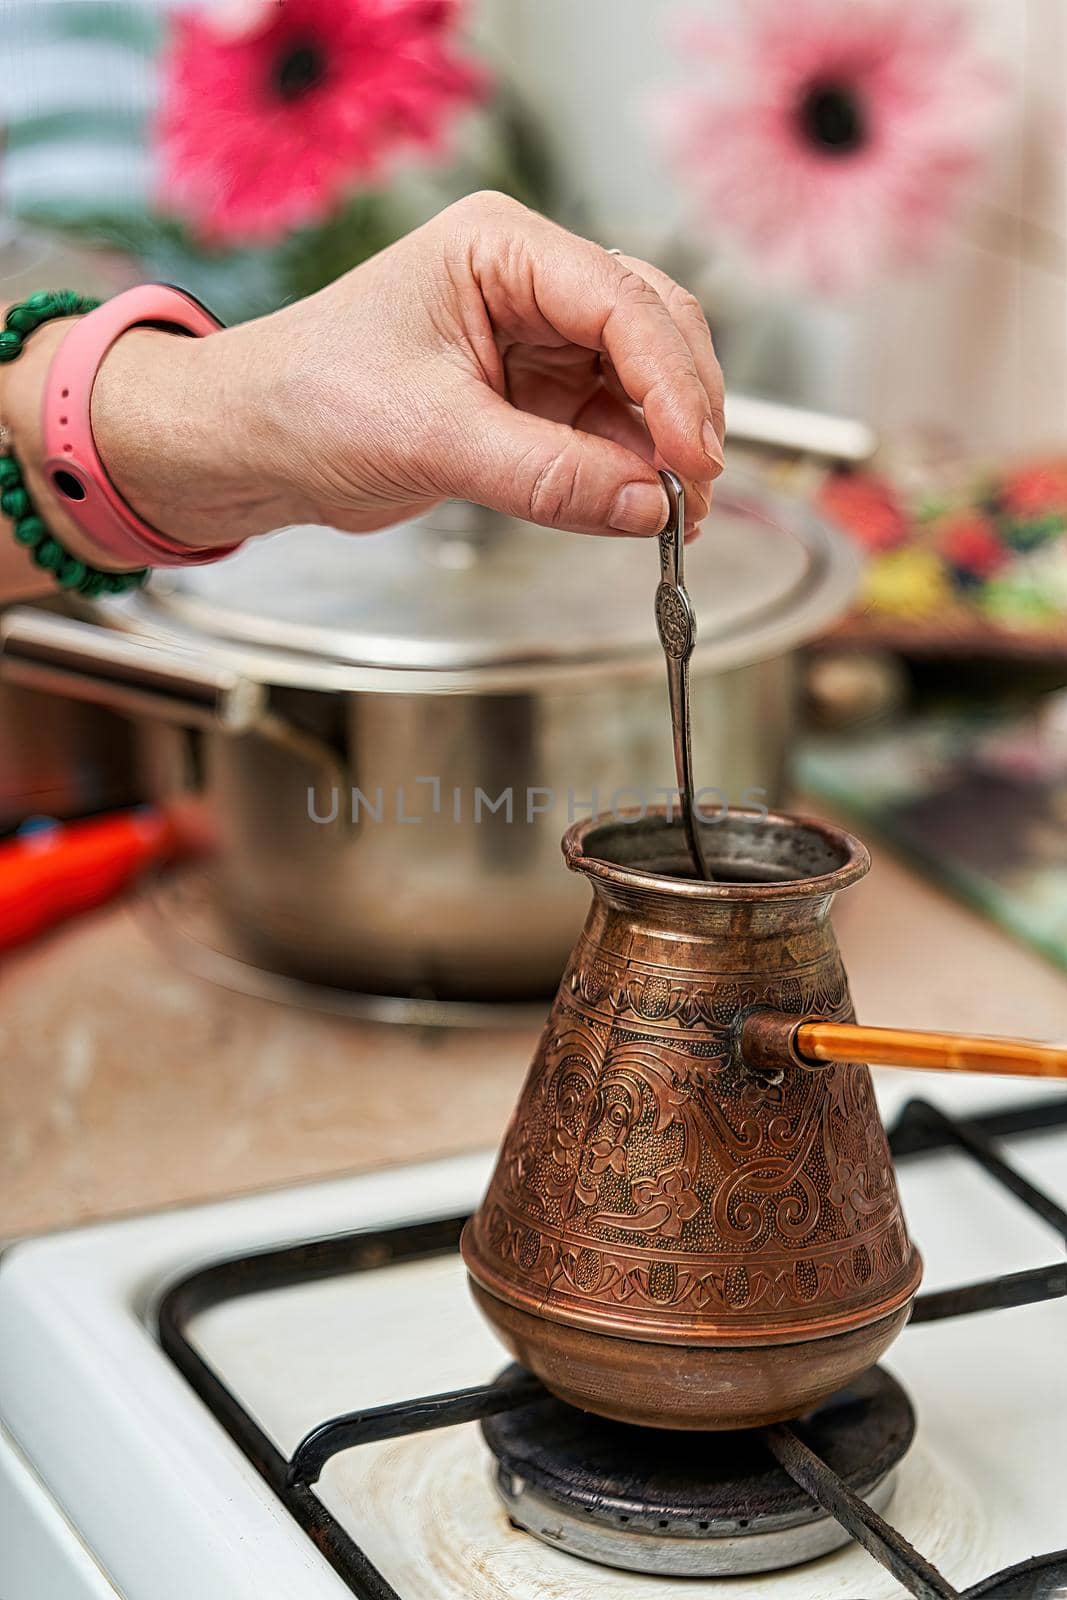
point(21, 388)
point(187, 439)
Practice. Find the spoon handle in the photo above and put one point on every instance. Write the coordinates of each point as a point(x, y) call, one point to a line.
point(676, 625)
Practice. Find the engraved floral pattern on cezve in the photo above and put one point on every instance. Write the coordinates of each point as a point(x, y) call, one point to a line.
point(656, 997)
point(648, 1169)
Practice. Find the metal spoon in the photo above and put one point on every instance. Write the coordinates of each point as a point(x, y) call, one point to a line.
point(677, 628)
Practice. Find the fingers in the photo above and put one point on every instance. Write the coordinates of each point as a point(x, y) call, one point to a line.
point(611, 418)
point(604, 414)
point(656, 369)
point(688, 317)
point(542, 285)
point(697, 491)
point(608, 417)
point(547, 472)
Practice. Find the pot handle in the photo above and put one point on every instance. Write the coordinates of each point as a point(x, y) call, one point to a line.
point(126, 672)
point(772, 1040)
point(134, 675)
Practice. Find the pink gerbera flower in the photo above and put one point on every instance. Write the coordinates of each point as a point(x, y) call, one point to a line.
point(832, 138)
point(266, 128)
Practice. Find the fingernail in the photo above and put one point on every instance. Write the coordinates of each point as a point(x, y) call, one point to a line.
point(640, 508)
point(712, 445)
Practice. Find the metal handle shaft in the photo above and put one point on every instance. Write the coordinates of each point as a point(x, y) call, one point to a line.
point(676, 625)
point(772, 1041)
point(936, 1052)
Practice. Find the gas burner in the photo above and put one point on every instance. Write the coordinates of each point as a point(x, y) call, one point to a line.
point(694, 1505)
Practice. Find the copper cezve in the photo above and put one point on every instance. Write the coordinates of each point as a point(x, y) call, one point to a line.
point(694, 1220)
point(671, 1235)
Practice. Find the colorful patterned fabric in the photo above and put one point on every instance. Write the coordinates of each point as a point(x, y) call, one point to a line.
point(990, 557)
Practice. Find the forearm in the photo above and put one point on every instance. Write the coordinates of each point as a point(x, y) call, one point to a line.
point(192, 436)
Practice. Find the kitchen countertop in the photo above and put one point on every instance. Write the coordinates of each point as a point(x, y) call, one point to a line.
point(126, 1085)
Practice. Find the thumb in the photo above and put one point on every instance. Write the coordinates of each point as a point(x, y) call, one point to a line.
point(552, 474)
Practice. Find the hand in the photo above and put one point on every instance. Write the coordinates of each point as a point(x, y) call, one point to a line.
point(490, 356)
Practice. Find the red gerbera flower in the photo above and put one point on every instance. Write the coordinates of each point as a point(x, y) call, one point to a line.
point(266, 130)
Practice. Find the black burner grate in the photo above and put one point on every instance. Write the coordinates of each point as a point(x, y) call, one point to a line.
point(920, 1128)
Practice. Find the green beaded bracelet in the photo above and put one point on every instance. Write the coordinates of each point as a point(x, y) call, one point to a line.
point(32, 532)
point(45, 306)
point(30, 529)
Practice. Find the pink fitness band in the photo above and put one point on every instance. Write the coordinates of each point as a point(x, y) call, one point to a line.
point(72, 464)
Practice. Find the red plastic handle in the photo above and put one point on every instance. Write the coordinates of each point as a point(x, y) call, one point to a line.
point(55, 872)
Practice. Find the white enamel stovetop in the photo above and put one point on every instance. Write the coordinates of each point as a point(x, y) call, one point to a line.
point(115, 1480)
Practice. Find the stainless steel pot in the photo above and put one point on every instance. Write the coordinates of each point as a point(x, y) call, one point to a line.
point(59, 759)
point(389, 733)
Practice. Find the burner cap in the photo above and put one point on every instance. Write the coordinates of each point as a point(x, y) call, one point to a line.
point(691, 1504)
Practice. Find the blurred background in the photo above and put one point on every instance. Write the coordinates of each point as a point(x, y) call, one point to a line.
point(115, 118)
point(870, 199)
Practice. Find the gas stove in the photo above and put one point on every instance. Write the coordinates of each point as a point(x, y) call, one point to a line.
point(293, 1394)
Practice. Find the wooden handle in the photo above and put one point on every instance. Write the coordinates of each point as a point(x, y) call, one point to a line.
point(936, 1052)
point(772, 1041)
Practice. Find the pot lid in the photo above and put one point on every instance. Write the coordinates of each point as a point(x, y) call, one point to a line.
point(467, 591)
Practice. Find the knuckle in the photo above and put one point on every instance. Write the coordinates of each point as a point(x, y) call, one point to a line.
point(633, 290)
point(485, 216)
point(684, 304)
point(656, 279)
point(677, 384)
point(553, 491)
point(489, 203)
